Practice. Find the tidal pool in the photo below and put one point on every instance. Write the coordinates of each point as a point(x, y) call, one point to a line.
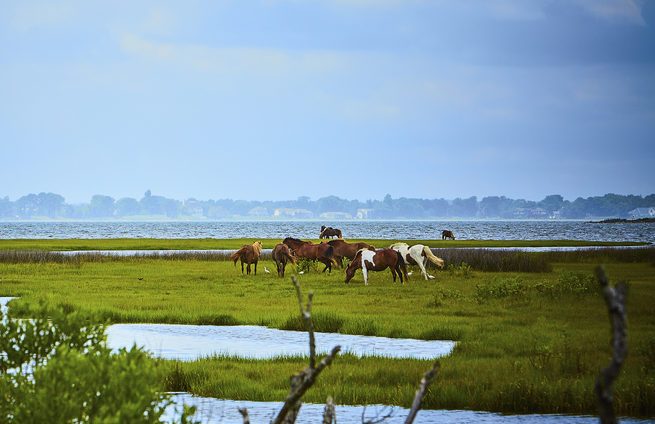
point(210, 410)
point(189, 342)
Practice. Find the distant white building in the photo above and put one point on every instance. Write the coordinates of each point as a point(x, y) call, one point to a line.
point(642, 212)
point(363, 213)
point(292, 213)
point(335, 215)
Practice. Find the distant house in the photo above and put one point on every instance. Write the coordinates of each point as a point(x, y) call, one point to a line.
point(642, 212)
point(335, 215)
point(292, 213)
point(530, 213)
point(364, 213)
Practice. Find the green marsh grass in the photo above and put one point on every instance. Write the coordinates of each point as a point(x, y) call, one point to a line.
point(525, 351)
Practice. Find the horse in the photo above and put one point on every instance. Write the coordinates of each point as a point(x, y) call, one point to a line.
point(329, 232)
point(418, 255)
point(343, 249)
point(447, 234)
point(249, 254)
point(281, 255)
point(378, 260)
point(322, 252)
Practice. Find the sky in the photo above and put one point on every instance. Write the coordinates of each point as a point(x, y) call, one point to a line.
point(276, 99)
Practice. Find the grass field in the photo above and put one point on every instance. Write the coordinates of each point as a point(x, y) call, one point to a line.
point(164, 244)
point(528, 342)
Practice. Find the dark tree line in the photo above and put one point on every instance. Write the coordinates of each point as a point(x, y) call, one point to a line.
point(51, 205)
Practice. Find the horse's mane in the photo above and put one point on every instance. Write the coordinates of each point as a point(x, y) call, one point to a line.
point(295, 240)
point(399, 244)
point(257, 247)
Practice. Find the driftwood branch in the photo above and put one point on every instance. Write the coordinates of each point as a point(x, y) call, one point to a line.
point(244, 414)
point(427, 379)
point(329, 413)
point(306, 378)
point(615, 298)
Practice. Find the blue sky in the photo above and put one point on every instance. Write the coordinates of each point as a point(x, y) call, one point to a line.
point(275, 99)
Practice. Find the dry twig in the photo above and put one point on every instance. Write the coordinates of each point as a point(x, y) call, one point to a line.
point(427, 379)
point(306, 378)
point(615, 299)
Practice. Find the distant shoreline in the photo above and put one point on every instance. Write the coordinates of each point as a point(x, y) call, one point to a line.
point(625, 221)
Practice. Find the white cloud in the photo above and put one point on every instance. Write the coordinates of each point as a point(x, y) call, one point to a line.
point(614, 10)
point(235, 59)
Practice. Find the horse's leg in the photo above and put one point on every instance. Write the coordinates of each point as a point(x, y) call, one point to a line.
point(256, 267)
point(393, 273)
point(400, 272)
point(421, 264)
point(241, 267)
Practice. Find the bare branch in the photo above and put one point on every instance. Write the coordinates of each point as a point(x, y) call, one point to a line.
point(244, 414)
point(615, 300)
point(422, 390)
point(329, 413)
point(306, 378)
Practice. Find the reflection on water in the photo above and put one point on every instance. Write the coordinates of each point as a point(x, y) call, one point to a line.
point(188, 342)
point(210, 410)
point(464, 230)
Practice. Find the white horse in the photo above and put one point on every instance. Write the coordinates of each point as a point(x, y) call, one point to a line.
point(419, 255)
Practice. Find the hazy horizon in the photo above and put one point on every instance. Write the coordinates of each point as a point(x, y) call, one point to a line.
point(277, 99)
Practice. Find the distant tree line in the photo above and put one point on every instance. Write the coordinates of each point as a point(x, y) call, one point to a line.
point(50, 205)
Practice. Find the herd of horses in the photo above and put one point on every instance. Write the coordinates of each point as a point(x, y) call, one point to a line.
point(332, 253)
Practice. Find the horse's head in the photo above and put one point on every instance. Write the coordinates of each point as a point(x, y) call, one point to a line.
point(353, 265)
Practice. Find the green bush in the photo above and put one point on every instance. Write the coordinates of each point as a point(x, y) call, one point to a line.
point(568, 283)
point(500, 288)
point(57, 368)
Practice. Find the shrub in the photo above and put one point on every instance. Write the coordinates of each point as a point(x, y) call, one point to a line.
point(568, 283)
point(500, 288)
point(56, 367)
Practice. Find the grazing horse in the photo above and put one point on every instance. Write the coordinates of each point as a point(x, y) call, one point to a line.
point(329, 232)
point(322, 252)
point(447, 234)
point(418, 255)
point(281, 255)
point(379, 260)
point(249, 254)
point(343, 249)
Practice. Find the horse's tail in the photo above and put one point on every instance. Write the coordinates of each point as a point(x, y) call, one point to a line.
point(236, 255)
point(339, 234)
point(329, 253)
point(432, 258)
point(402, 265)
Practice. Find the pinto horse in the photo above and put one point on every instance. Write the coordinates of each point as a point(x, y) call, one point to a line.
point(322, 252)
point(343, 249)
point(281, 255)
point(418, 255)
point(329, 232)
point(249, 254)
point(447, 234)
point(379, 260)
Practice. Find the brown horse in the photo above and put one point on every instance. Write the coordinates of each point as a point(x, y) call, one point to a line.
point(343, 249)
point(329, 232)
point(447, 234)
point(322, 252)
point(378, 260)
point(249, 254)
point(281, 255)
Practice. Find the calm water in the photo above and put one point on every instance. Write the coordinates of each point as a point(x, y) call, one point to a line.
point(189, 342)
point(210, 410)
point(464, 230)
